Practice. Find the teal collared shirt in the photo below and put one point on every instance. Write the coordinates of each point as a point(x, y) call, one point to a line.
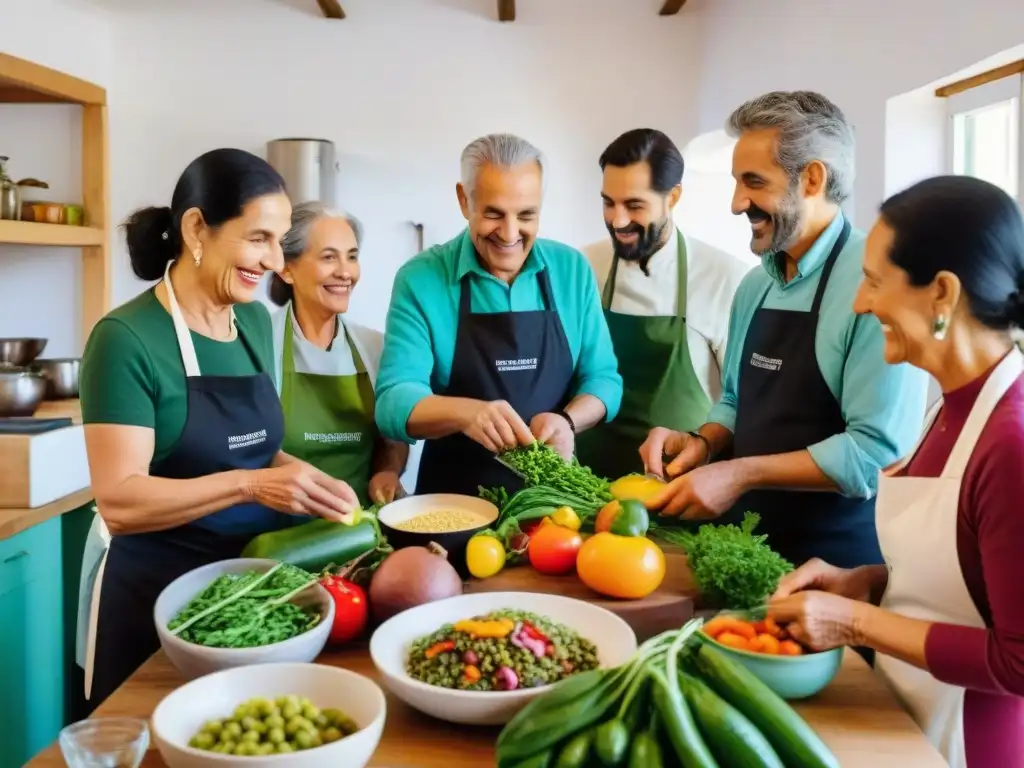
point(419, 338)
point(883, 404)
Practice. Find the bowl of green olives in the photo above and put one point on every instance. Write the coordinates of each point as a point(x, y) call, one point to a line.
point(291, 714)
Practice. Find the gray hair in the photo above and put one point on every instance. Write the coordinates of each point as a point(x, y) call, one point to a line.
point(304, 216)
point(296, 240)
point(503, 150)
point(810, 128)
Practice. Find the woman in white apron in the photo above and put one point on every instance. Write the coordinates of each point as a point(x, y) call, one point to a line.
point(327, 367)
point(944, 274)
point(183, 424)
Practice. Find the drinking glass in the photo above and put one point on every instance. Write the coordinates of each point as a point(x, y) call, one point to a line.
point(105, 742)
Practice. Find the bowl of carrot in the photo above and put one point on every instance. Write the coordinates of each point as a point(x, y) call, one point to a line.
point(766, 649)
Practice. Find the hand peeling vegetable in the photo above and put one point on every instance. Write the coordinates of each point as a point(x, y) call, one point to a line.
point(247, 610)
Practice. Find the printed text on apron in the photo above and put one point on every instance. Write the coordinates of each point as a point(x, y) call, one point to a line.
point(520, 357)
point(785, 405)
point(233, 422)
point(659, 385)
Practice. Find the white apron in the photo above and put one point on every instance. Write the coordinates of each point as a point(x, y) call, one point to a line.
point(98, 541)
point(917, 522)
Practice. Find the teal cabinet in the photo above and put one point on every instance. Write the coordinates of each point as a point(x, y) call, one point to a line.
point(32, 645)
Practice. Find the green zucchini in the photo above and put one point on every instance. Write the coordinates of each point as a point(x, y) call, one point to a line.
point(314, 545)
point(674, 714)
point(733, 739)
point(793, 739)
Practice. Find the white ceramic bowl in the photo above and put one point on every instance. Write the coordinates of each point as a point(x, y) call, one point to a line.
point(390, 644)
point(183, 712)
point(193, 660)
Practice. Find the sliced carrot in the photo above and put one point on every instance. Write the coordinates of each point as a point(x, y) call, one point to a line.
point(733, 640)
point(754, 645)
point(790, 648)
point(716, 626)
point(768, 644)
point(743, 629)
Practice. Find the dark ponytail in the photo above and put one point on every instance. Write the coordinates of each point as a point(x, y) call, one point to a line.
point(279, 291)
point(969, 227)
point(220, 183)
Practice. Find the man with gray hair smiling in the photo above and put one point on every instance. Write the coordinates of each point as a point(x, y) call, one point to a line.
point(495, 338)
point(810, 411)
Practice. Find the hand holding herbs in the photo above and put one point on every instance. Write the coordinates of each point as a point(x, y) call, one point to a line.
point(733, 568)
point(540, 464)
point(247, 610)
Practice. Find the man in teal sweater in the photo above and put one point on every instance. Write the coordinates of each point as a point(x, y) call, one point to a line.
point(495, 338)
point(810, 412)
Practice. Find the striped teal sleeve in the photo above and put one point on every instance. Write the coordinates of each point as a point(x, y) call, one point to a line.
point(883, 406)
point(407, 361)
point(597, 371)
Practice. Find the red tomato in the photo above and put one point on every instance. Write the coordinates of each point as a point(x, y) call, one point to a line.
point(350, 609)
point(553, 549)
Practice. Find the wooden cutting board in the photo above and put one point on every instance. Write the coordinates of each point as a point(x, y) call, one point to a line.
point(668, 607)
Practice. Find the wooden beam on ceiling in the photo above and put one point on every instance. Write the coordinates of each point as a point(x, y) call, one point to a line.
point(331, 9)
point(671, 7)
point(506, 10)
point(1007, 70)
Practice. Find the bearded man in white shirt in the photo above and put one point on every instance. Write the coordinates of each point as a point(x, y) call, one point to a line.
point(666, 298)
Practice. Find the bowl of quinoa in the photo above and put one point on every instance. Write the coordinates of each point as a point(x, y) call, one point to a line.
point(477, 659)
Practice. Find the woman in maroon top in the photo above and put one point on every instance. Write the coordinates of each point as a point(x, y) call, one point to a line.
point(944, 274)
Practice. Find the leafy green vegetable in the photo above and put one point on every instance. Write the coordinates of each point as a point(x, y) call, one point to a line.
point(540, 464)
point(733, 568)
point(246, 610)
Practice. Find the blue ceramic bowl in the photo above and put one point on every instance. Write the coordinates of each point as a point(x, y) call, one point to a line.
point(792, 677)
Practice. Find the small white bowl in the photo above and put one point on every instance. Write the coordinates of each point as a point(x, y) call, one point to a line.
point(193, 660)
point(390, 645)
point(183, 712)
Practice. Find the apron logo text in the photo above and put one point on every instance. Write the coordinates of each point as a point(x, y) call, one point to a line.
point(244, 441)
point(520, 364)
point(768, 363)
point(333, 437)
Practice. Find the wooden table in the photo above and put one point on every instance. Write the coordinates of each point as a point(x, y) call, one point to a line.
point(855, 715)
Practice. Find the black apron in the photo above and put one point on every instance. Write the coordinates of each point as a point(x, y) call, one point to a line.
point(520, 357)
point(785, 405)
point(233, 422)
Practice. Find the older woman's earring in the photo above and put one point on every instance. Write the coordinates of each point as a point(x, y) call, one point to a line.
point(939, 327)
point(197, 255)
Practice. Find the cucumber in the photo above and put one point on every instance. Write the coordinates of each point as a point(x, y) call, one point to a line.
point(576, 751)
point(733, 739)
point(793, 739)
point(314, 545)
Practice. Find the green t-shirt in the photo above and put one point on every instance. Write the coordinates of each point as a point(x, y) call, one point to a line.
point(132, 372)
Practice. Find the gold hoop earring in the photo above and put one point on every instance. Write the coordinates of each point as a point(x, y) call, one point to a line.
point(940, 327)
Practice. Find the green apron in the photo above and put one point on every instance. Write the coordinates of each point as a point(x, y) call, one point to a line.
point(329, 419)
point(659, 385)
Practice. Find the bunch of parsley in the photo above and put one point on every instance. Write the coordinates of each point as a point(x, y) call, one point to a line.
point(733, 568)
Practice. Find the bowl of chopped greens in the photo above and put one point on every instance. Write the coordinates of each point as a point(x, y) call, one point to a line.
point(290, 715)
point(239, 612)
point(478, 659)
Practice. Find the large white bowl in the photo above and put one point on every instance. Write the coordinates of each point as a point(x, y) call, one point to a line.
point(390, 645)
point(193, 660)
point(183, 712)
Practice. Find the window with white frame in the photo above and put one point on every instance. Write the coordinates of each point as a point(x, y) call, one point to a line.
point(985, 136)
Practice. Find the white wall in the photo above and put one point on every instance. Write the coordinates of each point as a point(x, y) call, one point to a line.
point(40, 293)
point(859, 54)
point(400, 90)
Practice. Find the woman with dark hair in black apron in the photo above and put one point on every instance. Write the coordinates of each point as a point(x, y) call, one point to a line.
point(183, 423)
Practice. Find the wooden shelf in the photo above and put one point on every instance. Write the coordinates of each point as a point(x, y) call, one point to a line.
point(14, 521)
point(22, 82)
point(36, 233)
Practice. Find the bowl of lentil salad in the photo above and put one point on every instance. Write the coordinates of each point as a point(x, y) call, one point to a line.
point(581, 635)
point(449, 519)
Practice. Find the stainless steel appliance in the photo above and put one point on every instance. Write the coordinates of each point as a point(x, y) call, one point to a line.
point(309, 168)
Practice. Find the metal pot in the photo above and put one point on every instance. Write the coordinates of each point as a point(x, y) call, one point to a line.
point(20, 352)
point(21, 391)
point(61, 375)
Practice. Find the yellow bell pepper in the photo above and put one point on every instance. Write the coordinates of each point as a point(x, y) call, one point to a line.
point(567, 518)
point(494, 628)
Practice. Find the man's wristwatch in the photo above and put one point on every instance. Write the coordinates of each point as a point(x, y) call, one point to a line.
point(567, 417)
point(707, 446)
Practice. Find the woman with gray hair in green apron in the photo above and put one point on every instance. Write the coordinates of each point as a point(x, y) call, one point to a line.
point(327, 366)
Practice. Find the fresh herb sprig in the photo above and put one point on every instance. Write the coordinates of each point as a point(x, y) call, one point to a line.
point(540, 464)
point(733, 567)
point(247, 610)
